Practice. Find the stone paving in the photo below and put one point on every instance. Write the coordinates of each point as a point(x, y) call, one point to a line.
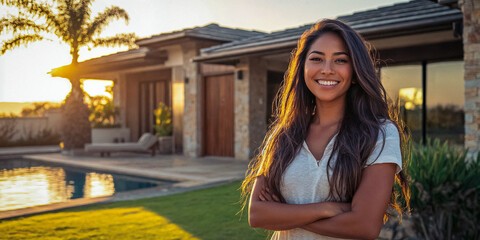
point(190, 173)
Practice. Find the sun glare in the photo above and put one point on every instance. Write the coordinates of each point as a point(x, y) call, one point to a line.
point(96, 87)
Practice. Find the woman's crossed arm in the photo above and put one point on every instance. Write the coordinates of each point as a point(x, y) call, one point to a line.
point(364, 220)
point(266, 211)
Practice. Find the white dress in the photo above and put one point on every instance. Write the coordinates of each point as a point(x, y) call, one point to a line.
point(306, 182)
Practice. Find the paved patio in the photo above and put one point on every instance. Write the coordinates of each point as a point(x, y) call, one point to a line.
point(191, 173)
point(6, 152)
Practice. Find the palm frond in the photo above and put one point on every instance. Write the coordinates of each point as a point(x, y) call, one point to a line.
point(63, 17)
point(82, 12)
point(72, 19)
point(32, 7)
point(19, 40)
point(36, 9)
point(123, 39)
point(85, 9)
point(15, 24)
point(104, 18)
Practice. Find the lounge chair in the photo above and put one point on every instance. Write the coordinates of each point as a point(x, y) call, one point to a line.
point(147, 142)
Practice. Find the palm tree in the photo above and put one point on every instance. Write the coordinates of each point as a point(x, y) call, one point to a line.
point(70, 22)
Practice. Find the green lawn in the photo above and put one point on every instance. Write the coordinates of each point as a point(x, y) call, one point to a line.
point(203, 214)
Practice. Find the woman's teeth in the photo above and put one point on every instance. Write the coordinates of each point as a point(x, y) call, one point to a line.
point(327, 83)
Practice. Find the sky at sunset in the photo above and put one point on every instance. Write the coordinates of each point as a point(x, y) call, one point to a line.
point(23, 71)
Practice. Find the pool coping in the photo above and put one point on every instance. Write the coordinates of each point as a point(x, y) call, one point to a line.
point(9, 152)
point(182, 179)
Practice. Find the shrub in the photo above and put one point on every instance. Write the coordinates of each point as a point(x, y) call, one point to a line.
point(444, 192)
point(7, 131)
point(163, 120)
point(104, 113)
point(38, 109)
point(43, 136)
point(30, 137)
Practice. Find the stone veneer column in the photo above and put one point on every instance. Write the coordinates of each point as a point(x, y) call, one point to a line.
point(241, 111)
point(192, 111)
point(471, 46)
point(258, 101)
point(250, 107)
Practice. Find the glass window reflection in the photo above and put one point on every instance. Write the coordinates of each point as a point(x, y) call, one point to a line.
point(445, 101)
point(404, 86)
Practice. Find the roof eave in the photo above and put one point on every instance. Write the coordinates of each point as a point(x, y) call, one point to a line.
point(183, 35)
point(158, 39)
point(405, 26)
point(366, 32)
point(246, 51)
point(109, 62)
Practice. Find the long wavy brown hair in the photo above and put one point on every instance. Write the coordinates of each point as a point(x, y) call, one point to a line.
point(366, 110)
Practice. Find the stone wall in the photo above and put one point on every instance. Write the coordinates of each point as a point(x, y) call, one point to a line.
point(250, 107)
point(192, 111)
point(241, 111)
point(471, 45)
point(258, 104)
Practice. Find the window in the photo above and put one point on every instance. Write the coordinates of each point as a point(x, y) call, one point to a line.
point(445, 101)
point(444, 94)
point(404, 86)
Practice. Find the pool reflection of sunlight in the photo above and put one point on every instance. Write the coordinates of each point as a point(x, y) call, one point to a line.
point(114, 223)
point(33, 185)
point(98, 185)
point(27, 187)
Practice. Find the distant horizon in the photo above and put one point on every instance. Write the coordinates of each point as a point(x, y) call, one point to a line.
point(32, 102)
point(16, 107)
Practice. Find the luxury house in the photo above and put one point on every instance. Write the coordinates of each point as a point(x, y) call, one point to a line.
point(221, 82)
point(161, 70)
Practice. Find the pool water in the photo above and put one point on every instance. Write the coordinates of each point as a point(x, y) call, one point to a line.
point(27, 183)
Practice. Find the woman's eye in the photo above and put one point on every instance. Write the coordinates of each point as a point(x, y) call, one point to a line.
point(317, 59)
point(342, 60)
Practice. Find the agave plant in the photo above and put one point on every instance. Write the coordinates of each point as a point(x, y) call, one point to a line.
point(445, 182)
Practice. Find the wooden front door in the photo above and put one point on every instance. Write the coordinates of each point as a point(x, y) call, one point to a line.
point(218, 115)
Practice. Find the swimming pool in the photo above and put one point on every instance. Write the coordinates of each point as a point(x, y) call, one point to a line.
point(27, 183)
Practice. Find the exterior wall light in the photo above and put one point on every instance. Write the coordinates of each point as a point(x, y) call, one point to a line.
point(240, 75)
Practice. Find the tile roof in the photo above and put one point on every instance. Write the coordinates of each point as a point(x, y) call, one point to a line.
point(211, 31)
point(391, 18)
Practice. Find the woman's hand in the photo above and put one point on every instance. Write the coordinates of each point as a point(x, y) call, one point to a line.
point(369, 204)
point(267, 211)
point(336, 208)
point(331, 208)
point(266, 196)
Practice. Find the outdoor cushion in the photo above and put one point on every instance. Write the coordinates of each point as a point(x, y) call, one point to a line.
point(147, 141)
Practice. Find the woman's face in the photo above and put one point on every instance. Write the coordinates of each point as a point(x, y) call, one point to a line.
point(328, 69)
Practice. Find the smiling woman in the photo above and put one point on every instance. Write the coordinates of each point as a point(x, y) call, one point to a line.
point(330, 159)
point(328, 69)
